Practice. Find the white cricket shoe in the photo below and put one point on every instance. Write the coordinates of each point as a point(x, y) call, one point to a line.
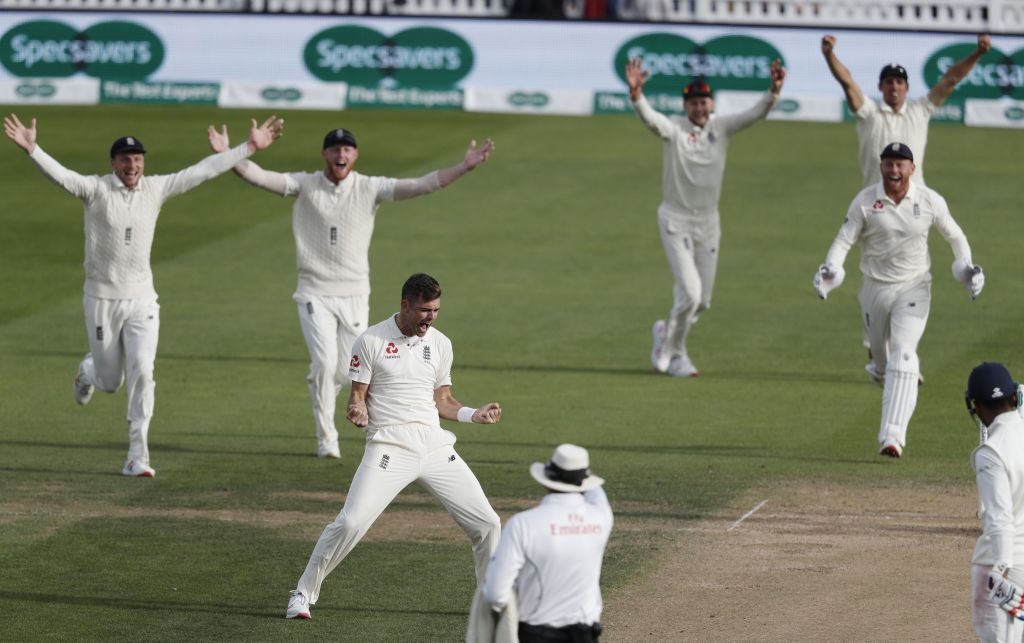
point(83, 391)
point(298, 605)
point(328, 450)
point(681, 366)
point(136, 469)
point(659, 358)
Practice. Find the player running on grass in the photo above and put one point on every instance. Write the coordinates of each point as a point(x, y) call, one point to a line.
point(890, 221)
point(694, 164)
point(332, 222)
point(401, 387)
point(122, 317)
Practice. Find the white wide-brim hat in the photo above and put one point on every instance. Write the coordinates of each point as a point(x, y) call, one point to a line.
point(569, 465)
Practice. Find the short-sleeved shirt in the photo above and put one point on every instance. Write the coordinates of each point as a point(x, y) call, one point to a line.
point(878, 125)
point(893, 237)
point(402, 374)
point(333, 226)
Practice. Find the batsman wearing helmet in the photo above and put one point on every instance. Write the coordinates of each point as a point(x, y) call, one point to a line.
point(993, 400)
point(890, 220)
point(694, 149)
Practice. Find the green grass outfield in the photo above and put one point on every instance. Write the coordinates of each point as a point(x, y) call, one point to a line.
point(553, 273)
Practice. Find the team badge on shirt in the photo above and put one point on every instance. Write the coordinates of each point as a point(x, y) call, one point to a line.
point(391, 351)
point(878, 205)
point(917, 210)
point(426, 354)
point(355, 362)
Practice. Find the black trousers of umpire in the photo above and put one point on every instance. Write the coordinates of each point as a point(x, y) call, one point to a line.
point(578, 633)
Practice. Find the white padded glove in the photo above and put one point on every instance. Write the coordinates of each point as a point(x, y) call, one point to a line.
point(1006, 594)
point(827, 278)
point(970, 275)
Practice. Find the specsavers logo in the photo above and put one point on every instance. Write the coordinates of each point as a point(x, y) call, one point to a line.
point(416, 57)
point(672, 61)
point(50, 49)
point(996, 74)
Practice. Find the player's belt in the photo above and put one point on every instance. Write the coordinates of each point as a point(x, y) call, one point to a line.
point(576, 633)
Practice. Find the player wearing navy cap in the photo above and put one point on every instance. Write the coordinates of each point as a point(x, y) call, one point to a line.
point(894, 118)
point(890, 221)
point(694, 150)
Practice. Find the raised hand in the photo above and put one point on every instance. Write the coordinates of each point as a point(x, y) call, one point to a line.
point(636, 76)
point(984, 43)
point(477, 155)
point(261, 136)
point(778, 75)
point(828, 44)
point(23, 137)
point(219, 141)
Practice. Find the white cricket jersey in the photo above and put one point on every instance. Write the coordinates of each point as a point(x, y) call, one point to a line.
point(694, 157)
point(550, 557)
point(999, 470)
point(402, 374)
point(893, 238)
point(120, 223)
point(333, 225)
point(878, 125)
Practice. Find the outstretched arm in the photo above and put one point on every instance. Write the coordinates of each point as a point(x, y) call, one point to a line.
point(246, 169)
point(451, 409)
point(944, 88)
point(475, 156)
point(854, 96)
point(23, 137)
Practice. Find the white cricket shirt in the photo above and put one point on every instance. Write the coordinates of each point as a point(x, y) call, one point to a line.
point(999, 471)
point(893, 238)
point(402, 374)
point(551, 556)
point(693, 158)
point(878, 125)
point(120, 223)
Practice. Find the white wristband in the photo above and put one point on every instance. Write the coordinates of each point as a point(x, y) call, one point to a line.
point(466, 414)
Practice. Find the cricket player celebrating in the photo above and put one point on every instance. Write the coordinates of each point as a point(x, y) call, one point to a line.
point(693, 167)
point(895, 119)
point(332, 222)
point(993, 400)
point(890, 221)
point(122, 317)
point(401, 387)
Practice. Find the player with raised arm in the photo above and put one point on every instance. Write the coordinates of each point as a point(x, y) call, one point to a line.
point(890, 221)
point(694, 150)
point(122, 317)
point(332, 223)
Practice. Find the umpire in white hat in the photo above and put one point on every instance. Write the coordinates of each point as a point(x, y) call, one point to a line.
point(549, 558)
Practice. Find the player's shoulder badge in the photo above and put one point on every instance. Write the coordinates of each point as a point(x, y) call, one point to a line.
point(878, 206)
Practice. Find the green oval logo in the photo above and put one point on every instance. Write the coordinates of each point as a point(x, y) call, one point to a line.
point(416, 57)
point(285, 94)
point(529, 99)
point(35, 90)
point(672, 61)
point(787, 106)
point(49, 49)
point(1014, 113)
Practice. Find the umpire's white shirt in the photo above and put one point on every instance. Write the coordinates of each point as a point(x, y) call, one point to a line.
point(878, 125)
point(333, 225)
point(893, 237)
point(693, 162)
point(550, 557)
point(120, 222)
point(402, 374)
point(999, 470)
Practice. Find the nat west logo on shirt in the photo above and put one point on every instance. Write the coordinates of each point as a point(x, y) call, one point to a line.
point(391, 352)
point(878, 205)
point(355, 362)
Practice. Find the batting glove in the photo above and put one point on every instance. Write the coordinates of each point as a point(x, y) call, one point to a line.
point(977, 282)
point(827, 278)
point(1006, 594)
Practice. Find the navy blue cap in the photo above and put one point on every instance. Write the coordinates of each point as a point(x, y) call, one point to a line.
point(897, 150)
point(339, 137)
point(892, 70)
point(990, 382)
point(127, 145)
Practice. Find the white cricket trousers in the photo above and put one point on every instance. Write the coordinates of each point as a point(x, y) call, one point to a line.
point(123, 335)
point(330, 326)
point(692, 253)
point(895, 316)
point(394, 458)
point(992, 623)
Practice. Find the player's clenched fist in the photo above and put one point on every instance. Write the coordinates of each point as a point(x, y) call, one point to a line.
point(488, 414)
point(357, 415)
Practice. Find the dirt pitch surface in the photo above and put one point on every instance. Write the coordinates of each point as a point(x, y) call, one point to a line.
point(799, 562)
